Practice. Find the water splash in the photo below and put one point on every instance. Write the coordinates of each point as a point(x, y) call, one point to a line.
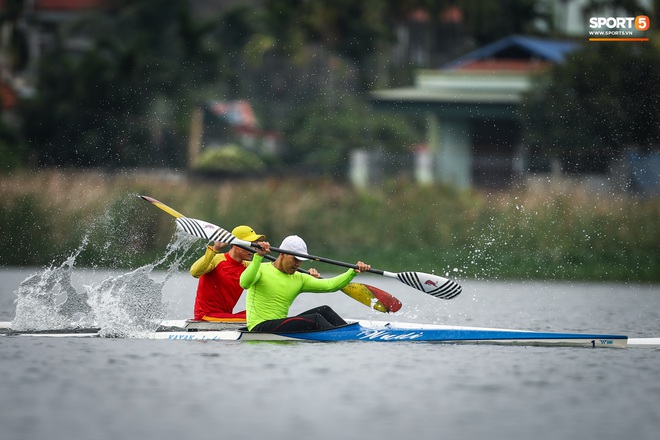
point(127, 305)
point(48, 300)
point(131, 305)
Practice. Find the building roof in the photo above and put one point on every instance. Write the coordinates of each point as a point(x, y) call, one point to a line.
point(463, 86)
point(237, 113)
point(465, 93)
point(519, 48)
point(489, 80)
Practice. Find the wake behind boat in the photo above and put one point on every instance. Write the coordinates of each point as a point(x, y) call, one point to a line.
point(364, 330)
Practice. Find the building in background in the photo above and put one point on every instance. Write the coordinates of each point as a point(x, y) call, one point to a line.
point(217, 124)
point(472, 109)
point(27, 33)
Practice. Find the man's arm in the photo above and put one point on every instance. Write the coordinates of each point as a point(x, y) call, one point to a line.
point(205, 264)
point(249, 275)
point(311, 284)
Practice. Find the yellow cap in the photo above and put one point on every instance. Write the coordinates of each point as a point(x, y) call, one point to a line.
point(247, 233)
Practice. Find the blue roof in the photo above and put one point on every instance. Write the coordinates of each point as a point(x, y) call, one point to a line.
point(549, 50)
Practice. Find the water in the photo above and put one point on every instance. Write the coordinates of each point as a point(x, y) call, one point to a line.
point(124, 388)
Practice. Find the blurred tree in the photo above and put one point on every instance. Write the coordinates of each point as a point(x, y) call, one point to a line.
point(490, 21)
point(322, 136)
point(228, 160)
point(123, 99)
point(301, 64)
point(13, 58)
point(13, 39)
point(603, 100)
point(633, 7)
point(12, 150)
point(360, 32)
point(115, 102)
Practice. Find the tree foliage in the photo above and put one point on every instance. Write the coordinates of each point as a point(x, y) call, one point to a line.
point(228, 159)
point(110, 103)
point(322, 135)
point(125, 99)
point(604, 99)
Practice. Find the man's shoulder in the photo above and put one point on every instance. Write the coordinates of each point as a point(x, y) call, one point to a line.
point(219, 258)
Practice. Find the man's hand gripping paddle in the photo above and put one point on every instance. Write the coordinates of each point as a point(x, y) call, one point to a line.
point(370, 296)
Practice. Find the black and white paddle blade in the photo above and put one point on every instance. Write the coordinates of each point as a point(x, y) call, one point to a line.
point(432, 284)
point(197, 228)
point(223, 236)
point(209, 231)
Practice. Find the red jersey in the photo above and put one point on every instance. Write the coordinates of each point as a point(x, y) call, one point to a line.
point(218, 290)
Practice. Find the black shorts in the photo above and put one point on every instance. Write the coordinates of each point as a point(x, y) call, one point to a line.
point(319, 318)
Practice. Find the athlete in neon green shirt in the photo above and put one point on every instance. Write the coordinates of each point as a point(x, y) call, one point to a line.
point(272, 288)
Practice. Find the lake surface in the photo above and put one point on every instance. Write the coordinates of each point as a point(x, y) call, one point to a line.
point(130, 388)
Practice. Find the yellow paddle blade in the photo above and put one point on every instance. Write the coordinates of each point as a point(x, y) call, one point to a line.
point(163, 206)
point(361, 293)
point(370, 296)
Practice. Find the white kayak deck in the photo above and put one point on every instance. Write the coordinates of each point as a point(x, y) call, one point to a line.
point(200, 330)
point(644, 342)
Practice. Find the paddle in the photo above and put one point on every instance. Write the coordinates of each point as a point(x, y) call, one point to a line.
point(370, 296)
point(434, 285)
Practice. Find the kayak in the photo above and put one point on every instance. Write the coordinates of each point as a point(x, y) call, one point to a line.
point(362, 330)
point(384, 331)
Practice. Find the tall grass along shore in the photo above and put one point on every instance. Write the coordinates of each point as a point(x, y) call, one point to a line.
point(561, 235)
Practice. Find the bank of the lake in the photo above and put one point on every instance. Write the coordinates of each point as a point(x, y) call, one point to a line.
point(556, 234)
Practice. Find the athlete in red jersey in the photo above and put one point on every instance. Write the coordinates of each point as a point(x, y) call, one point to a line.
point(218, 289)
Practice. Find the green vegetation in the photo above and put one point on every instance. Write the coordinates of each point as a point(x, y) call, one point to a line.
point(229, 159)
point(116, 86)
point(586, 115)
point(125, 99)
point(566, 235)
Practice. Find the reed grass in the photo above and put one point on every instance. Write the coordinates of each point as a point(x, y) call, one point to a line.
point(525, 234)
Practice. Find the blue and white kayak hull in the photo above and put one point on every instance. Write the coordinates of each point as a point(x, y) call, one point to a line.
point(382, 331)
point(362, 330)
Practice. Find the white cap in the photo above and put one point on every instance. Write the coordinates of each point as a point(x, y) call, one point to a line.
point(295, 244)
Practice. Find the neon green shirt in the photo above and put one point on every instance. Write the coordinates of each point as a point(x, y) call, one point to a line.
point(270, 292)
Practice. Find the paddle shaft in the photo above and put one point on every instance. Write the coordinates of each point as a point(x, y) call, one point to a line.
point(427, 283)
point(434, 285)
point(377, 299)
point(248, 246)
point(384, 302)
point(321, 259)
point(271, 258)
